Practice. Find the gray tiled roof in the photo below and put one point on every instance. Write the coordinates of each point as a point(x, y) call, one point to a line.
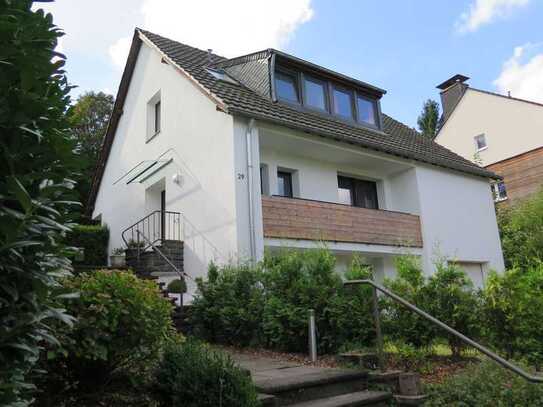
point(250, 99)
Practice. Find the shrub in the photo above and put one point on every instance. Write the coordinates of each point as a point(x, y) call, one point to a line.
point(450, 298)
point(484, 384)
point(93, 239)
point(296, 281)
point(228, 306)
point(177, 286)
point(350, 312)
point(192, 375)
point(122, 325)
point(521, 232)
point(35, 189)
point(513, 311)
point(400, 323)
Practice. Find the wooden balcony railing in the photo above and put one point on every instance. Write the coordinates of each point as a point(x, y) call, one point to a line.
point(291, 218)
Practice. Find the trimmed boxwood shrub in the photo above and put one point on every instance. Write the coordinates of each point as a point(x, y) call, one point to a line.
point(192, 375)
point(122, 325)
point(93, 239)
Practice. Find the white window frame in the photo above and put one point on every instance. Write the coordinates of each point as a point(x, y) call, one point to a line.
point(494, 187)
point(477, 144)
point(151, 116)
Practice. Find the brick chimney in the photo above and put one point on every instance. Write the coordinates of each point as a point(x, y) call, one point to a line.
point(451, 92)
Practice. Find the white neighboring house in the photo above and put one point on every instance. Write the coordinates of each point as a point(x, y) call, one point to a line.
point(267, 151)
point(502, 133)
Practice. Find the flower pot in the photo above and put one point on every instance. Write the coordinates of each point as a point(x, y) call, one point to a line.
point(117, 260)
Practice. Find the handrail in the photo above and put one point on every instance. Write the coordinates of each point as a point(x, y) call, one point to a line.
point(156, 223)
point(181, 274)
point(496, 358)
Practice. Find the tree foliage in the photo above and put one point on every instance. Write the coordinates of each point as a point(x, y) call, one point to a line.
point(89, 118)
point(429, 118)
point(521, 232)
point(35, 191)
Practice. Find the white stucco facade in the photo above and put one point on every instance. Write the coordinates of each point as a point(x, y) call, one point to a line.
point(218, 157)
point(510, 126)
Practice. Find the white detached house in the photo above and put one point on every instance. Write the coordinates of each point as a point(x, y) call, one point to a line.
point(236, 156)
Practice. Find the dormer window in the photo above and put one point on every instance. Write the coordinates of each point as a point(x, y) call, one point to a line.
point(367, 110)
point(343, 105)
point(315, 93)
point(353, 102)
point(286, 86)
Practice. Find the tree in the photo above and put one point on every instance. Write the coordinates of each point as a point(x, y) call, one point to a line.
point(35, 192)
point(428, 119)
point(89, 118)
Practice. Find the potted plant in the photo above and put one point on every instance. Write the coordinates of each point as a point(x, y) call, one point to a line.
point(117, 257)
point(178, 287)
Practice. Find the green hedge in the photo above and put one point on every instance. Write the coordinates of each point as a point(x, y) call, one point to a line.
point(93, 239)
point(267, 304)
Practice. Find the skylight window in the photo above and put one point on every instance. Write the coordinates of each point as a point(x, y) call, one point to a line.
point(286, 86)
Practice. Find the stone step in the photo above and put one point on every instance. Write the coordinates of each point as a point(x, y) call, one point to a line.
point(303, 383)
point(359, 398)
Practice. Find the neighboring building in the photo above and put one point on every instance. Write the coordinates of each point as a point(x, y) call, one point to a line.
point(266, 151)
point(502, 133)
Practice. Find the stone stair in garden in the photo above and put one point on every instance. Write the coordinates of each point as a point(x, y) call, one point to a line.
point(151, 263)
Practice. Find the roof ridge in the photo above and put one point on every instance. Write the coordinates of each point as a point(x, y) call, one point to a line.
point(506, 97)
point(146, 32)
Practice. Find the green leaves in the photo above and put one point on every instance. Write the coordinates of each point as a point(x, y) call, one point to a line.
point(34, 151)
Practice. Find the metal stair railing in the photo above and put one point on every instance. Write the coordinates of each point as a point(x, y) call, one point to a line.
point(156, 226)
point(496, 358)
point(180, 273)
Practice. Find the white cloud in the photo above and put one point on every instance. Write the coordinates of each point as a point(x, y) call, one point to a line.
point(485, 12)
point(119, 51)
point(522, 74)
point(231, 27)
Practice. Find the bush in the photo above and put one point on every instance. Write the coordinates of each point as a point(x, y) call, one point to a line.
point(350, 312)
point(192, 375)
point(93, 239)
point(485, 385)
point(177, 286)
point(122, 325)
point(296, 281)
point(400, 323)
point(451, 299)
point(228, 306)
point(36, 191)
point(513, 311)
point(521, 232)
point(268, 304)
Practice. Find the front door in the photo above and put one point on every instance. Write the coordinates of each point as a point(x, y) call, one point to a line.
point(163, 215)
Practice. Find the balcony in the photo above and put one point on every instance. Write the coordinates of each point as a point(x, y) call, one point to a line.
point(288, 218)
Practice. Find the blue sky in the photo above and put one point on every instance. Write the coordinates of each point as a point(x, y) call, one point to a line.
point(406, 47)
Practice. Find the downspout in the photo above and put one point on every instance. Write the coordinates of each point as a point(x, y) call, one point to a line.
point(252, 239)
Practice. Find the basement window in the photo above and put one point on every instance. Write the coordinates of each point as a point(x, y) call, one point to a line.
point(499, 192)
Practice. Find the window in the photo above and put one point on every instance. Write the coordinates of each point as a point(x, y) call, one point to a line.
point(286, 86)
point(366, 110)
point(284, 184)
point(315, 93)
point(342, 103)
point(498, 191)
point(154, 116)
point(157, 117)
point(480, 142)
point(357, 192)
point(264, 180)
